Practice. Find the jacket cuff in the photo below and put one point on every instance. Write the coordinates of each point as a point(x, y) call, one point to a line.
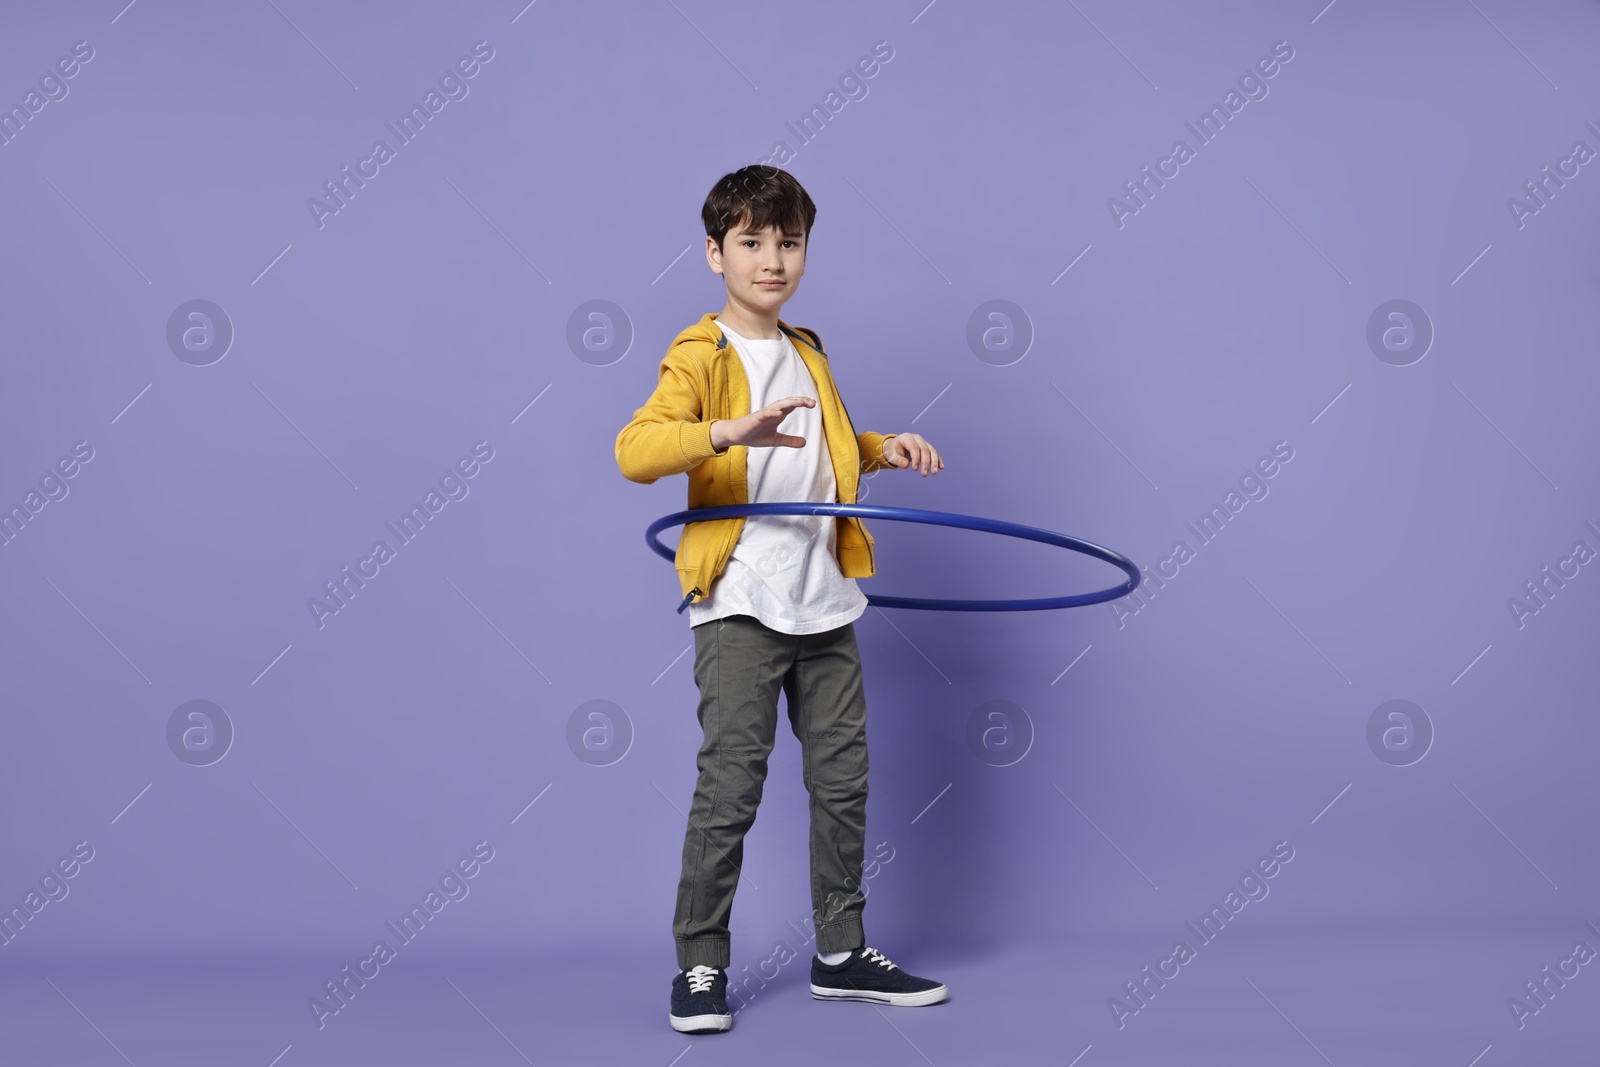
point(694, 438)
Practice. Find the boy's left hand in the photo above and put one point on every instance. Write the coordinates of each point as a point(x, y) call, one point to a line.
point(912, 450)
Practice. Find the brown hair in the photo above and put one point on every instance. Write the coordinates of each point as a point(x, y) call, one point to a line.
point(766, 195)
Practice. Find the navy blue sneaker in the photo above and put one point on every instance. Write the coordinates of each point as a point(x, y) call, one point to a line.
point(868, 975)
point(699, 1001)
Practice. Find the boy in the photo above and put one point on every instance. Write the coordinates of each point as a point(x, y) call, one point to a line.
point(772, 599)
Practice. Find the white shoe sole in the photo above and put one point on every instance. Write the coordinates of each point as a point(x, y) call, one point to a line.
point(689, 1023)
point(904, 1000)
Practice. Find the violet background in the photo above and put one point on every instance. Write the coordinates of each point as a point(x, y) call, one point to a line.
point(433, 312)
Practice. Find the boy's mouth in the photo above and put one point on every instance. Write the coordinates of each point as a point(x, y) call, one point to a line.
point(770, 285)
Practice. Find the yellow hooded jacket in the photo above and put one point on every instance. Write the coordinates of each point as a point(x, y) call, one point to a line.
point(701, 380)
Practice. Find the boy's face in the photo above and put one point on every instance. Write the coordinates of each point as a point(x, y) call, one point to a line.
point(761, 270)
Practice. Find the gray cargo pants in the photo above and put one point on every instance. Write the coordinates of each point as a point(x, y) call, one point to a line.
point(740, 664)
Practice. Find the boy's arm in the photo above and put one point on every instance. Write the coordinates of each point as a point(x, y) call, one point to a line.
point(666, 435)
point(872, 452)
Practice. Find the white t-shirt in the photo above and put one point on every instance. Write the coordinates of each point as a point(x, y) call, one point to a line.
point(783, 569)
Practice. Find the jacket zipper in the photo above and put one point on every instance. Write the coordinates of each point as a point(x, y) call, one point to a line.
point(851, 425)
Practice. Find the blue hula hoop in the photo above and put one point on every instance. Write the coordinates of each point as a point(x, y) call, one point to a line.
point(932, 518)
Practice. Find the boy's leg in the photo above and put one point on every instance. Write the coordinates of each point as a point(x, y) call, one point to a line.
point(739, 663)
point(828, 712)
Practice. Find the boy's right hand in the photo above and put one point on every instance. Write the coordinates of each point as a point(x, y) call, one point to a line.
point(760, 428)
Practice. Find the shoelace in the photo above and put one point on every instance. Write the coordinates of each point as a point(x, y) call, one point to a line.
point(877, 957)
point(701, 977)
